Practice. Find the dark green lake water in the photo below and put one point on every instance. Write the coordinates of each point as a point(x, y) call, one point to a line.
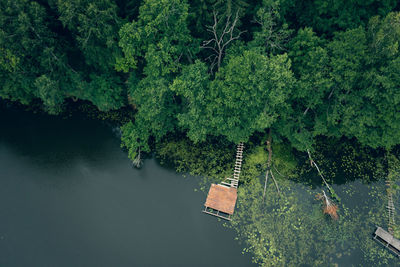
point(69, 197)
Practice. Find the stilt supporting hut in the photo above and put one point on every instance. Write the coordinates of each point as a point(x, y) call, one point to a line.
point(221, 198)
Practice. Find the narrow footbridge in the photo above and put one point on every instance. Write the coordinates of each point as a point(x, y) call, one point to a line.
point(387, 238)
point(221, 198)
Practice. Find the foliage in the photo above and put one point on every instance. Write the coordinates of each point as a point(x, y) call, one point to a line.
point(193, 86)
point(335, 15)
point(201, 12)
point(157, 39)
point(31, 57)
point(134, 139)
point(248, 94)
point(213, 158)
point(94, 26)
point(283, 160)
point(254, 163)
point(270, 229)
point(115, 117)
point(343, 160)
point(156, 42)
point(291, 229)
point(339, 78)
point(393, 168)
point(273, 33)
point(319, 75)
point(340, 90)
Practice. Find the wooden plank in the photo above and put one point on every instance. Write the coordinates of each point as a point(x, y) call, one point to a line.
point(395, 243)
point(384, 235)
point(222, 198)
point(388, 239)
point(222, 217)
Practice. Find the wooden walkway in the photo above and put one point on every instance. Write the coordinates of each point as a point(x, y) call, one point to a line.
point(387, 239)
point(221, 201)
point(221, 198)
point(390, 208)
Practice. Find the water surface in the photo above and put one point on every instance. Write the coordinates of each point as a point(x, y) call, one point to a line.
point(69, 197)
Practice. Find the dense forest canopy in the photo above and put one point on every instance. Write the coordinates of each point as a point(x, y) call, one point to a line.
point(227, 69)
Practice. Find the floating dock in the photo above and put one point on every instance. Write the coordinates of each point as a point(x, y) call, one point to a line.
point(386, 239)
point(221, 201)
point(221, 198)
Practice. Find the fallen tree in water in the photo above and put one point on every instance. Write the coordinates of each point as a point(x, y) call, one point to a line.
point(313, 164)
point(329, 207)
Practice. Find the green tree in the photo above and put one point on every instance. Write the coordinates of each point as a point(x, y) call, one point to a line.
point(105, 91)
point(247, 95)
point(49, 92)
point(33, 62)
point(229, 7)
point(158, 39)
point(365, 70)
point(348, 86)
point(153, 48)
point(330, 16)
point(274, 32)
point(94, 25)
point(193, 86)
point(311, 66)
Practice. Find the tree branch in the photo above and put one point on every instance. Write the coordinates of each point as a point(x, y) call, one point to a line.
point(312, 162)
point(220, 38)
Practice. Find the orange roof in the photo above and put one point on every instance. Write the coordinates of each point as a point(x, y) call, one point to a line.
point(222, 198)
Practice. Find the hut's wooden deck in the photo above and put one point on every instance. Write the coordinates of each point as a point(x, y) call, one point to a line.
point(387, 240)
point(221, 199)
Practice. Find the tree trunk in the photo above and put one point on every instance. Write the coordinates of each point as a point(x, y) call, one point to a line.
point(312, 162)
point(269, 140)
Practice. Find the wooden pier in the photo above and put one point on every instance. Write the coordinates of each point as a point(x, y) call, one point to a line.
point(390, 207)
point(221, 201)
point(221, 198)
point(387, 239)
